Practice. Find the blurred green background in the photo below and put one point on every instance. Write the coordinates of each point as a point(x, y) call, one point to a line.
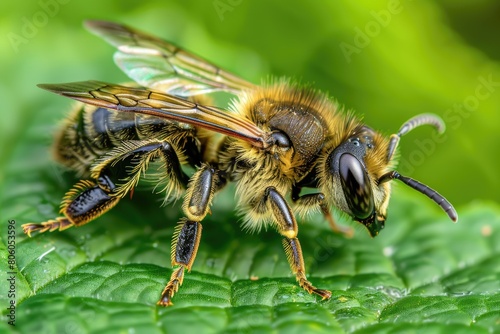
point(388, 60)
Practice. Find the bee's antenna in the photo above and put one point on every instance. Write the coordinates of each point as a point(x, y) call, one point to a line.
point(411, 124)
point(426, 190)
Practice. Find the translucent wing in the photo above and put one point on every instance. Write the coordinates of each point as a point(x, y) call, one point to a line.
point(161, 66)
point(143, 101)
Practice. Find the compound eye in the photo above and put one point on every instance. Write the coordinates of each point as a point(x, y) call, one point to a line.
point(356, 186)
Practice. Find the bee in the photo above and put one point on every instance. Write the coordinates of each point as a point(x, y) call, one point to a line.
point(273, 140)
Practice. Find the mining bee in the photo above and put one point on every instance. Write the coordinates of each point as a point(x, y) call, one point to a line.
point(273, 141)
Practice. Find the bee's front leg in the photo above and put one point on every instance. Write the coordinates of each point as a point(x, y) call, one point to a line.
point(312, 201)
point(287, 227)
point(186, 239)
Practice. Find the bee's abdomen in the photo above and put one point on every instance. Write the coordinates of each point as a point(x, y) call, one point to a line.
point(108, 127)
point(73, 147)
point(90, 132)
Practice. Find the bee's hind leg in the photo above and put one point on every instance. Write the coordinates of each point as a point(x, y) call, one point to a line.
point(86, 201)
point(89, 199)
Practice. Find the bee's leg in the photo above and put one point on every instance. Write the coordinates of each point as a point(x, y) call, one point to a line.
point(287, 227)
point(86, 201)
point(130, 161)
point(201, 189)
point(310, 201)
point(185, 244)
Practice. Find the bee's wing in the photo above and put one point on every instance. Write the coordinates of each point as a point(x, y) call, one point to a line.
point(161, 66)
point(143, 101)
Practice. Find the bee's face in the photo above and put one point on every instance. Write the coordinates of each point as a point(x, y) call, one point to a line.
point(352, 187)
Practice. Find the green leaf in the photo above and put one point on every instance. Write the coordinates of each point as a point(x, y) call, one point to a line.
point(422, 273)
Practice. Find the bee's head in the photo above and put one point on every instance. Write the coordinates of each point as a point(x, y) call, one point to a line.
point(357, 171)
point(351, 187)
